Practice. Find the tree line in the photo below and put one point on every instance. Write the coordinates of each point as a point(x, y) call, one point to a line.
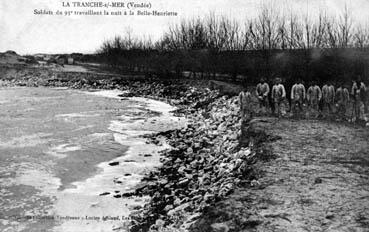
point(290, 46)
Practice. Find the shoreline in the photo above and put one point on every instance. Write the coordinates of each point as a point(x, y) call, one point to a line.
point(126, 170)
point(211, 159)
point(193, 103)
point(127, 130)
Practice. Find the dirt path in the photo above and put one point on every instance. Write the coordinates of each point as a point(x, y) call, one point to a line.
point(319, 181)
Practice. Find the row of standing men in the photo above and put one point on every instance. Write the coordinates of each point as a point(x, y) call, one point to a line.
point(320, 100)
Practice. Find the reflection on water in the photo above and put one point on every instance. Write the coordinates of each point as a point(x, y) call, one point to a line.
point(56, 146)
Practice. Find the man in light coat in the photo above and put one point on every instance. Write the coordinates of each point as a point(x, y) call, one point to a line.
point(342, 99)
point(328, 93)
point(364, 95)
point(314, 95)
point(298, 94)
point(262, 92)
point(245, 100)
point(358, 93)
point(278, 96)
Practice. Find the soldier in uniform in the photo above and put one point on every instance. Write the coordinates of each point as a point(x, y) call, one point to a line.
point(314, 95)
point(364, 95)
point(328, 93)
point(298, 94)
point(358, 94)
point(342, 98)
point(245, 100)
point(262, 92)
point(278, 96)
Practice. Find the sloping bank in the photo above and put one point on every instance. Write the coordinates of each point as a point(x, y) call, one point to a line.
point(209, 159)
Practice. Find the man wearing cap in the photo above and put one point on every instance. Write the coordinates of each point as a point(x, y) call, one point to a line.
point(313, 96)
point(328, 93)
point(278, 96)
point(364, 95)
point(298, 94)
point(245, 100)
point(358, 92)
point(262, 91)
point(342, 98)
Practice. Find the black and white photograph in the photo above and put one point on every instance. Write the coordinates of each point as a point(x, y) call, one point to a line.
point(184, 116)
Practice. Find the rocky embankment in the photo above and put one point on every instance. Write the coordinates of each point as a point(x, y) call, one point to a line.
point(206, 162)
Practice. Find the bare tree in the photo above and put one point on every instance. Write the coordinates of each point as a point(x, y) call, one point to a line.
point(361, 36)
point(344, 28)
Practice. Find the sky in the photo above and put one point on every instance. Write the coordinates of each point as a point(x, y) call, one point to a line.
point(26, 33)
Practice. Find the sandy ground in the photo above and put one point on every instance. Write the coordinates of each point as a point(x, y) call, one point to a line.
point(318, 181)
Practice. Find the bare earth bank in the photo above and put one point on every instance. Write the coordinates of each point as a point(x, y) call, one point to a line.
point(318, 181)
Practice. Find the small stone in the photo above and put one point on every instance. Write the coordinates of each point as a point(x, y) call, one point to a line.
point(159, 223)
point(168, 207)
point(209, 197)
point(183, 182)
point(318, 180)
point(114, 163)
point(219, 227)
point(179, 209)
point(135, 207)
point(181, 170)
point(129, 194)
point(255, 183)
point(177, 201)
point(104, 194)
point(197, 197)
point(329, 216)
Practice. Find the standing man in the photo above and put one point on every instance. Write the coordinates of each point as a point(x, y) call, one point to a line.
point(262, 91)
point(245, 100)
point(298, 94)
point(358, 95)
point(314, 95)
point(278, 96)
point(328, 93)
point(364, 96)
point(342, 99)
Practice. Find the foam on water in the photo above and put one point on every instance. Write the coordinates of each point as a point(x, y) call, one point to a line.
point(77, 115)
point(39, 178)
point(60, 151)
point(60, 88)
point(85, 199)
point(106, 93)
point(155, 105)
point(26, 141)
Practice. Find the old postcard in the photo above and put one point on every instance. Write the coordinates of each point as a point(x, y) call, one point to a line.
point(196, 115)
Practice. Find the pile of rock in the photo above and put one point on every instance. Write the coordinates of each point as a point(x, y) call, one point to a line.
point(49, 78)
point(203, 166)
